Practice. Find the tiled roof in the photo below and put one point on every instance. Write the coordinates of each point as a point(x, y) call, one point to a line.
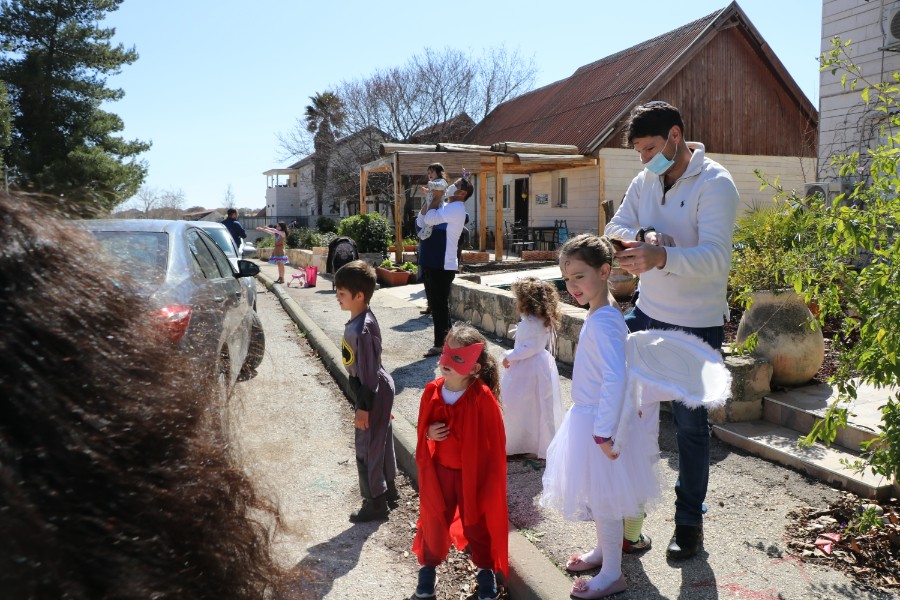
point(579, 109)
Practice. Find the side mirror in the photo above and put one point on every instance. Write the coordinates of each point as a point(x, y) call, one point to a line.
point(247, 269)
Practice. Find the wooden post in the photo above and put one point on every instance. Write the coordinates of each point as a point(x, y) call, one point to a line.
point(601, 195)
point(363, 180)
point(482, 211)
point(498, 210)
point(398, 213)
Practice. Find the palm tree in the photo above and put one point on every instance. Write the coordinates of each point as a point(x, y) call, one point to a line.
point(324, 117)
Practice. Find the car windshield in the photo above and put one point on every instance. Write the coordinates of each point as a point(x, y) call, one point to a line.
point(223, 240)
point(142, 254)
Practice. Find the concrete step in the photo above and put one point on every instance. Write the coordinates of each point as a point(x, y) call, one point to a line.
point(800, 408)
point(779, 444)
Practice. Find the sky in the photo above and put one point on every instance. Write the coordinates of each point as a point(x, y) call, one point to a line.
point(216, 82)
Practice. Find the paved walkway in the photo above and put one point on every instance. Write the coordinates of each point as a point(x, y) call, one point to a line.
point(749, 498)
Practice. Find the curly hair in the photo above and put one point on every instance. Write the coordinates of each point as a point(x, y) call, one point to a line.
point(466, 335)
point(538, 298)
point(116, 475)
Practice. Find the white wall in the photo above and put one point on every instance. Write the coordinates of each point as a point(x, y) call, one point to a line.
point(845, 124)
point(620, 167)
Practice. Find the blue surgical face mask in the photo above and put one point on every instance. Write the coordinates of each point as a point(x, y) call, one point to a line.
point(659, 164)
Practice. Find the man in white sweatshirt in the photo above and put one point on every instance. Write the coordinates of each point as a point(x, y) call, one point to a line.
point(677, 219)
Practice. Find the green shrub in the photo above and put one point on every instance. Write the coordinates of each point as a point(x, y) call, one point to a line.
point(410, 266)
point(326, 225)
point(293, 239)
point(371, 232)
point(770, 242)
point(863, 294)
point(266, 241)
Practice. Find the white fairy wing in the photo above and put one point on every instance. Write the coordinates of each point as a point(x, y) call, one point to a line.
point(670, 365)
point(679, 365)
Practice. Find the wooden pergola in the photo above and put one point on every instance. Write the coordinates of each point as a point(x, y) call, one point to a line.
point(497, 159)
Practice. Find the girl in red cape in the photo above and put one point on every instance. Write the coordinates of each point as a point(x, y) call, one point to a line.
point(461, 457)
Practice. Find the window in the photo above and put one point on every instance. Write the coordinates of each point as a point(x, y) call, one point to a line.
point(562, 192)
point(506, 194)
point(203, 257)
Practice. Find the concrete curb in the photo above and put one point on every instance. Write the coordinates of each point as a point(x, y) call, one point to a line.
point(531, 574)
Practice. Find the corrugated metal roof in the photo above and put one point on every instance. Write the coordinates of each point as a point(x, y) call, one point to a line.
point(577, 110)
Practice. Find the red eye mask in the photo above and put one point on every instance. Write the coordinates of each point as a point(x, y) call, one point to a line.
point(462, 360)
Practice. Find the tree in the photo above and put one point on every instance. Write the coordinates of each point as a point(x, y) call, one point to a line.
point(324, 118)
point(55, 60)
point(423, 100)
point(228, 200)
point(5, 127)
point(857, 280)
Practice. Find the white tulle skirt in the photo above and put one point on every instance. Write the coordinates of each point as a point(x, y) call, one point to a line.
point(532, 406)
point(582, 483)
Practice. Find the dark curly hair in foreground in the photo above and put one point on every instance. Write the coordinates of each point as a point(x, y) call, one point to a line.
point(114, 478)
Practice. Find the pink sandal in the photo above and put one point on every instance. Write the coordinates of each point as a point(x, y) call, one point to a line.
point(576, 564)
point(582, 589)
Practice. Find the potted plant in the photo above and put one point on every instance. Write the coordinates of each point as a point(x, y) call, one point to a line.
point(770, 245)
point(391, 275)
point(410, 244)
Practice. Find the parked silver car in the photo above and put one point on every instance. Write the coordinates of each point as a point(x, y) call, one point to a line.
point(222, 237)
point(199, 299)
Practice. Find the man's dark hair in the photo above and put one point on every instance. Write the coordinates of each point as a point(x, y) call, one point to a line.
point(355, 277)
point(232, 213)
point(652, 118)
point(467, 187)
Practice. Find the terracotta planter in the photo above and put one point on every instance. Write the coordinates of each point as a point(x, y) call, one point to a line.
point(405, 248)
point(389, 278)
point(622, 284)
point(789, 336)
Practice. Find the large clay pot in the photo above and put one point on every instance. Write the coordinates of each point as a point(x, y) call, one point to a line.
point(789, 336)
point(622, 284)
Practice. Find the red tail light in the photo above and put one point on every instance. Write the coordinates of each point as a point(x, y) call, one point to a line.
point(173, 321)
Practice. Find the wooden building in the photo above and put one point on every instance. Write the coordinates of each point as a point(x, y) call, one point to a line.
point(735, 95)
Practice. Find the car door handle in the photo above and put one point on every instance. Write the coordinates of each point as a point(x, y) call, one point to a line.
point(219, 299)
point(237, 294)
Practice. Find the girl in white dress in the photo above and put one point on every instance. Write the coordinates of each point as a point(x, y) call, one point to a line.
point(530, 379)
point(587, 478)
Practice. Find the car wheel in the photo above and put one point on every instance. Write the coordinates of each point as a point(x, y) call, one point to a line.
point(257, 344)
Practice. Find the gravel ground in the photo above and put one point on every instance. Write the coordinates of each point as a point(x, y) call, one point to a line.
point(746, 554)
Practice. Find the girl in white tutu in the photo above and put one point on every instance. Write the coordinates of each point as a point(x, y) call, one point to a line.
point(533, 411)
point(587, 478)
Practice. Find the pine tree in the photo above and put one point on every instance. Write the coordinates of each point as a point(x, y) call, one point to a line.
point(55, 61)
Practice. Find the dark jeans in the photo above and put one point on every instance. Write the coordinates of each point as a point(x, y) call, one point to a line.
point(692, 429)
point(437, 291)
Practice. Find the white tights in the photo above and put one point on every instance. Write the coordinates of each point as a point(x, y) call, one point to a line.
point(608, 551)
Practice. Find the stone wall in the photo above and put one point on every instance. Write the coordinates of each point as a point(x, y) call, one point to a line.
point(493, 310)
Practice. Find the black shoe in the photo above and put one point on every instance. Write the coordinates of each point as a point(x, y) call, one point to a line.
point(487, 585)
point(393, 496)
point(427, 581)
point(372, 509)
point(686, 542)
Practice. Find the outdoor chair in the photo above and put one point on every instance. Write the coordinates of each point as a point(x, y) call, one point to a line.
point(562, 232)
point(517, 237)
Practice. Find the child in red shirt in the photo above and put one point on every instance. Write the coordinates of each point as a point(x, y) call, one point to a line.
point(461, 458)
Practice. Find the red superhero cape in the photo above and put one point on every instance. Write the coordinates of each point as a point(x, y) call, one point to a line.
point(477, 416)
